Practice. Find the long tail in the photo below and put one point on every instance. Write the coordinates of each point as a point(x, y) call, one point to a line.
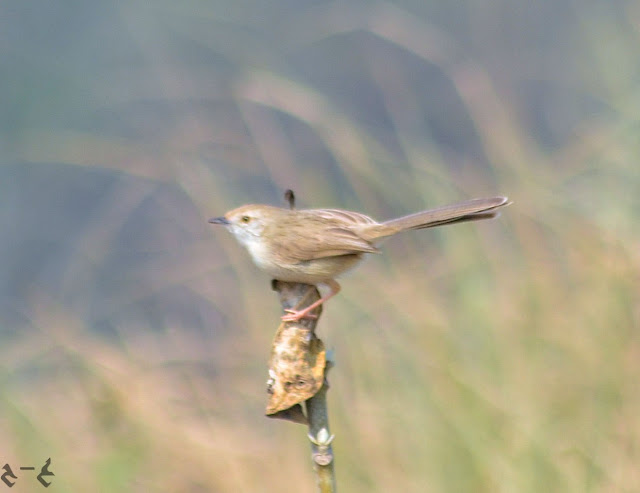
point(472, 210)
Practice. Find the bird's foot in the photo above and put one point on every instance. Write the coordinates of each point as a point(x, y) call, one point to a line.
point(295, 315)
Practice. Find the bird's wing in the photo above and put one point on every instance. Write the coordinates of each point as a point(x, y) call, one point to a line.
point(353, 218)
point(330, 242)
point(319, 233)
point(325, 239)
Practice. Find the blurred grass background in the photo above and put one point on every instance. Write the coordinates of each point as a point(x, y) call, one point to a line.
point(492, 357)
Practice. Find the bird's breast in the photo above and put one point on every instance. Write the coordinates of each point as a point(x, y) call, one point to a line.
point(307, 271)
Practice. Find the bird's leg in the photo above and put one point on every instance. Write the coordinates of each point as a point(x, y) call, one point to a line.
point(295, 315)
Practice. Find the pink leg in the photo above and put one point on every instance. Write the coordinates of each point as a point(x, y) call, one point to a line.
point(295, 315)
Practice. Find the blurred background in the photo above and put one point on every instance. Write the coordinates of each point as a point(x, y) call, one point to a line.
point(500, 356)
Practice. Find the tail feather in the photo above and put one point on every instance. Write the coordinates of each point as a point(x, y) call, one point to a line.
point(472, 210)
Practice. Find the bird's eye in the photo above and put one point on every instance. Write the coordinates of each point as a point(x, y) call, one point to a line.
point(245, 219)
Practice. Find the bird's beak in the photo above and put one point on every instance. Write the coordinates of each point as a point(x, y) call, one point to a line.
point(219, 220)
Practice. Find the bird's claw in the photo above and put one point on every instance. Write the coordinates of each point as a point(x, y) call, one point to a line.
point(295, 315)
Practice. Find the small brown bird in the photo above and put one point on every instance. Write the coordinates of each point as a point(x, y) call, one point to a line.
point(314, 246)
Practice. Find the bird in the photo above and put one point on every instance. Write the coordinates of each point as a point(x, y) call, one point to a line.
point(314, 246)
